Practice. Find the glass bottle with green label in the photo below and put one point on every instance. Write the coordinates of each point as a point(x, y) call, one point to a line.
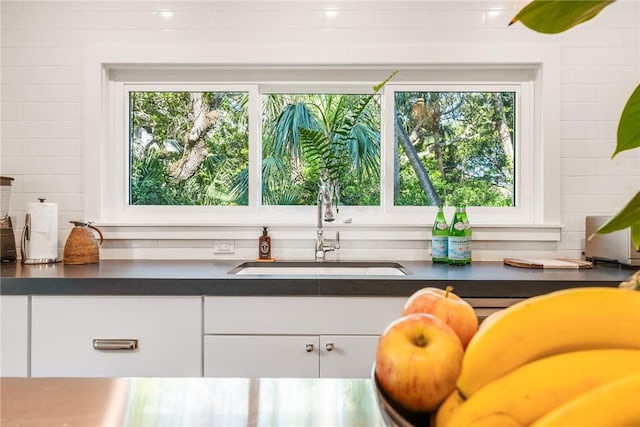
point(468, 232)
point(440, 238)
point(457, 240)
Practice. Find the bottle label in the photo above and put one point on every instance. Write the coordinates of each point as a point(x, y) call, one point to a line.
point(264, 248)
point(439, 246)
point(441, 226)
point(457, 249)
point(459, 226)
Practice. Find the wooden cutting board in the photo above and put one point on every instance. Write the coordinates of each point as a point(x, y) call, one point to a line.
point(558, 263)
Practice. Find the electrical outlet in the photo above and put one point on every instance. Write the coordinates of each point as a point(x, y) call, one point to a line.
point(224, 247)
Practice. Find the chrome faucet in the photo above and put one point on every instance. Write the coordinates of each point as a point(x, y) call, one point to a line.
point(324, 201)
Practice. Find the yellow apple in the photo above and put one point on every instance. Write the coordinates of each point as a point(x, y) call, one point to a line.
point(418, 361)
point(446, 306)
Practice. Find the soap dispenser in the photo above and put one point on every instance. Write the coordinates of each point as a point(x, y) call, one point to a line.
point(264, 245)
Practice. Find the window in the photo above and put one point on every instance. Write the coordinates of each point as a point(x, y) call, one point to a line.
point(188, 148)
point(449, 147)
point(431, 134)
point(454, 147)
point(304, 141)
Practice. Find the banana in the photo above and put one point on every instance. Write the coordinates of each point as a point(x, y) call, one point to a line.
point(612, 404)
point(558, 322)
point(529, 392)
point(446, 409)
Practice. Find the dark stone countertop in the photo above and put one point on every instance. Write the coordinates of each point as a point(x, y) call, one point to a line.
point(179, 277)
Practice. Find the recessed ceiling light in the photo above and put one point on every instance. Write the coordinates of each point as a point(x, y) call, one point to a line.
point(330, 13)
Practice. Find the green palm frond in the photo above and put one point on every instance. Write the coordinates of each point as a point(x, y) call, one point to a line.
point(286, 136)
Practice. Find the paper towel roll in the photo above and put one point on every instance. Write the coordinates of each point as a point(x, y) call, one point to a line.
point(44, 230)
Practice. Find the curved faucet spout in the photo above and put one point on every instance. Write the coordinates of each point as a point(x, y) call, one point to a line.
point(324, 200)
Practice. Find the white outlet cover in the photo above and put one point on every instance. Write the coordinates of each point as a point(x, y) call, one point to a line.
point(223, 247)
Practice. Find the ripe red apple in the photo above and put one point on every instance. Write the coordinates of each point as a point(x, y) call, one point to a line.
point(446, 306)
point(418, 361)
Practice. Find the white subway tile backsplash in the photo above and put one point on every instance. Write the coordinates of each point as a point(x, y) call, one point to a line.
point(583, 166)
point(49, 183)
point(56, 165)
point(574, 222)
point(11, 74)
point(43, 52)
point(66, 129)
point(51, 111)
point(50, 38)
point(11, 129)
point(36, 129)
point(578, 92)
point(576, 148)
point(52, 147)
point(578, 56)
point(613, 92)
point(578, 129)
point(619, 166)
point(12, 148)
point(590, 111)
point(590, 185)
point(66, 56)
point(12, 110)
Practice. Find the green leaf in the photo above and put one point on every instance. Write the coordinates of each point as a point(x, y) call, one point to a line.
point(629, 216)
point(556, 16)
point(629, 126)
point(635, 236)
point(380, 85)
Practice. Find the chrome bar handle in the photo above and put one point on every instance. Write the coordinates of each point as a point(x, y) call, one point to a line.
point(26, 236)
point(106, 344)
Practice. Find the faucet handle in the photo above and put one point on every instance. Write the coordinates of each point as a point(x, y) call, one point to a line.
point(337, 242)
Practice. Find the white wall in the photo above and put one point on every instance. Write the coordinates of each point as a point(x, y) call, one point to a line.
point(42, 66)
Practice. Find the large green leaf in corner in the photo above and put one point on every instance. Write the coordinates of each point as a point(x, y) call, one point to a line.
point(556, 16)
point(628, 138)
point(629, 126)
point(629, 216)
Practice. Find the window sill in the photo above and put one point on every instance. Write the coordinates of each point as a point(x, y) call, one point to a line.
point(304, 231)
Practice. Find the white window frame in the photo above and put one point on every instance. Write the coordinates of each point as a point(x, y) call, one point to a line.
point(524, 168)
point(105, 66)
point(120, 209)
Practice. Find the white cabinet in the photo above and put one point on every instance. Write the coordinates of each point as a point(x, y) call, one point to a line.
point(111, 336)
point(347, 356)
point(14, 335)
point(294, 336)
point(257, 356)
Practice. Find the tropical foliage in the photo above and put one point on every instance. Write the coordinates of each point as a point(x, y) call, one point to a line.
point(190, 148)
point(309, 137)
point(166, 128)
point(464, 140)
point(555, 17)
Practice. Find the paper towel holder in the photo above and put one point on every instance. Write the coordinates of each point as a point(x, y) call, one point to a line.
point(24, 247)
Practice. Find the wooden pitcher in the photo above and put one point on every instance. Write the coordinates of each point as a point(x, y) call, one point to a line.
point(82, 246)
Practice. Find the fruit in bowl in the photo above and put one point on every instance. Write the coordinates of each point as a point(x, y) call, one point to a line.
point(418, 361)
point(446, 306)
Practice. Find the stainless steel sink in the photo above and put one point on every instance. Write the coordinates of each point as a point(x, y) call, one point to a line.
point(327, 268)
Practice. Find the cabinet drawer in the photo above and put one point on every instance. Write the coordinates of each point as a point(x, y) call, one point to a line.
point(14, 335)
point(255, 356)
point(167, 331)
point(347, 356)
point(300, 315)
